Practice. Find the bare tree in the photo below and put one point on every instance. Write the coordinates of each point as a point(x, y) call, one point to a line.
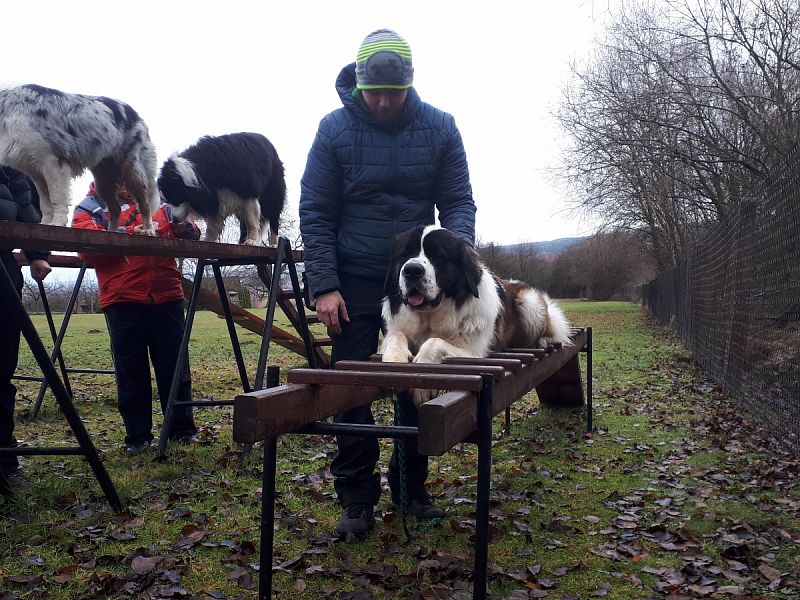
point(602, 267)
point(492, 255)
point(88, 299)
point(682, 106)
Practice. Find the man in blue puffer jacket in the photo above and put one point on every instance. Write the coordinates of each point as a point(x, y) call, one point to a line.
point(382, 164)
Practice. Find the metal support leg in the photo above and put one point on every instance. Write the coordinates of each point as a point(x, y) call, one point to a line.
point(589, 415)
point(56, 346)
point(268, 503)
point(183, 357)
point(58, 340)
point(226, 309)
point(14, 305)
point(305, 333)
point(274, 291)
point(484, 442)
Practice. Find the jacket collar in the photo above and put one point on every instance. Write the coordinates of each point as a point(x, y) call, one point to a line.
point(351, 99)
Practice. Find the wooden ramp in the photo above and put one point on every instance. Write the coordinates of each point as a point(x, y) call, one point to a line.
point(209, 300)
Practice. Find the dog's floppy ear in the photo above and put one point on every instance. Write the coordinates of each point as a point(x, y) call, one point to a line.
point(391, 286)
point(471, 266)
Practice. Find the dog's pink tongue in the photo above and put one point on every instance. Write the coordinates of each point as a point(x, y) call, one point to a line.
point(416, 299)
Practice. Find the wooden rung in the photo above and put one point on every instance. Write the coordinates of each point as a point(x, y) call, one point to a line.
point(507, 363)
point(311, 319)
point(355, 365)
point(470, 383)
point(271, 412)
point(323, 342)
point(537, 352)
point(524, 357)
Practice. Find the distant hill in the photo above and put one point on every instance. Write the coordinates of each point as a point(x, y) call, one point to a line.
point(550, 247)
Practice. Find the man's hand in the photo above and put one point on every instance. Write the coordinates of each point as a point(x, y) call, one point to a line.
point(40, 269)
point(184, 230)
point(329, 306)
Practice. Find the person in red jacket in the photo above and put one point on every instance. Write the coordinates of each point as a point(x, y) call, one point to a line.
point(142, 299)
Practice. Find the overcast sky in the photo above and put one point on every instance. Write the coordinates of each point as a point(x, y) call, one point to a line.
point(197, 68)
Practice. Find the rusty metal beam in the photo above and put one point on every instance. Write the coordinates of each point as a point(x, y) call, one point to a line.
point(55, 260)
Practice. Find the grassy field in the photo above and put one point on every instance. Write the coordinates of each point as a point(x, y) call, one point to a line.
point(676, 495)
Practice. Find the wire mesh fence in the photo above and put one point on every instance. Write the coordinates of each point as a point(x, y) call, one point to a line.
point(734, 300)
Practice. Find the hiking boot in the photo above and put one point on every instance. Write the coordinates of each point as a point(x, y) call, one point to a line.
point(356, 522)
point(187, 439)
point(138, 448)
point(422, 509)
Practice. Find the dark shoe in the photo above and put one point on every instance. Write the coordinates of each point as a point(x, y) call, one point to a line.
point(423, 509)
point(188, 439)
point(14, 478)
point(134, 449)
point(356, 522)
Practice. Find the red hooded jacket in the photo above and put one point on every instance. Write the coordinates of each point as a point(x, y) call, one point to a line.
point(139, 279)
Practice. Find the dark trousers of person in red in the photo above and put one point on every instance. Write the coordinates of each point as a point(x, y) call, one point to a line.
point(139, 330)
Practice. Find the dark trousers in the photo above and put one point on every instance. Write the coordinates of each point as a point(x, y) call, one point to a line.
point(135, 331)
point(9, 354)
point(353, 468)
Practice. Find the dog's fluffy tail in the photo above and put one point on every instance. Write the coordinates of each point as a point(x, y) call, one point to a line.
point(557, 325)
point(542, 318)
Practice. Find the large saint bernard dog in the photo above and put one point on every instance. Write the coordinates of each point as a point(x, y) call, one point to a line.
point(219, 176)
point(53, 136)
point(442, 301)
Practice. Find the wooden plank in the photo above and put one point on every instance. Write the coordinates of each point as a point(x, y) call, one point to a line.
point(506, 363)
point(564, 388)
point(274, 411)
point(456, 411)
point(434, 419)
point(523, 357)
point(471, 383)
point(357, 365)
point(210, 301)
point(48, 237)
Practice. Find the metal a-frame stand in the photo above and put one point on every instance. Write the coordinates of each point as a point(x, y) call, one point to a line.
point(58, 339)
point(13, 304)
point(283, 255)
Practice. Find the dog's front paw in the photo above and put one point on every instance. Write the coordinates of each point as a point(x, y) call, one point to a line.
point(145, 230)
point(397, 355)
point(252, 243)
point(420, 397)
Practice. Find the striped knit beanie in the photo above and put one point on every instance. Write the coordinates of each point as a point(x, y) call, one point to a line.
point(384, 61)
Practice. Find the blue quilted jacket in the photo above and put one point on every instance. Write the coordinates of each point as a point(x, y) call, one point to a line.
point(366, 181)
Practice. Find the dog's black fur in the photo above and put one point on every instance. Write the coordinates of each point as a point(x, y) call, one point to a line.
point(219, 175)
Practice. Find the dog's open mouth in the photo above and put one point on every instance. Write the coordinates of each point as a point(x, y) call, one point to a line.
point(417, 301)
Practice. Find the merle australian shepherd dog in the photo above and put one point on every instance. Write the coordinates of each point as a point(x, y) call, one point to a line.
point(442, 301)
point(236, 174)
point(53, 136)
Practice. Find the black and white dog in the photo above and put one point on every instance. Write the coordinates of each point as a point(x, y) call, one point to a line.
point(442, 301)
point(53, 136)
point(236, 174)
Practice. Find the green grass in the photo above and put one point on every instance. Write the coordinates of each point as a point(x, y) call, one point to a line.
point(559, 500)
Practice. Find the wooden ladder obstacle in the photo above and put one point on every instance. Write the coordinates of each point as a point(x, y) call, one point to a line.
point(474, 391)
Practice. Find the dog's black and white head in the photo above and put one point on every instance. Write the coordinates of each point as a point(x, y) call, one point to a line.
point(183, 190)
point(429, 264)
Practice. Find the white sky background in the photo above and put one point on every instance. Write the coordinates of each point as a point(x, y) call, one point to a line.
point(197, 68)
